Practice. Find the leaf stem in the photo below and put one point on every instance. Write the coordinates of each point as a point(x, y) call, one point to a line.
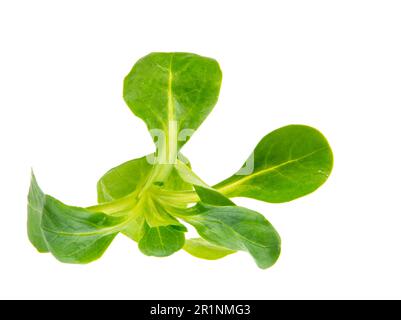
point(114, 206)
point(185, 197)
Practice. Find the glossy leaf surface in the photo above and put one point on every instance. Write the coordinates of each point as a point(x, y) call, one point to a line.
point(75, 235)
point(288, 163)
point(235, 228)
point(238, 228)
point(161, 241)
point(36, 202)
point(173, 92)
point(213, 197)
point(202, 249)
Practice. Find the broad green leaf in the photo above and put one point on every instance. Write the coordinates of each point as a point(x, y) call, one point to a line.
point(200, 248)
point(288, 163)
point(238, 228)
point(76, 235)
point(36, 202)
point(161, 241)
point(173, 93)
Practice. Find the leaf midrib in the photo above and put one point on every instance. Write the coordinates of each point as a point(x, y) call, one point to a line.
point(266, 171)
point(170, 105)
point(243, 238)
point(102, 232)
point(160, 238)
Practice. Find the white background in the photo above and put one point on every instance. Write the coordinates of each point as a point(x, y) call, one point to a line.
point(335, 65)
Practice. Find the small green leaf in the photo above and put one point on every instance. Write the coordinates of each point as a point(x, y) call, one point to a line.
point(161, 241)
point(288, 163)
point(36, 202)
point(76, 235)
point(123, 179)
point(187, 175)
point(200, 248)
point(213, 197)
point(173, 93)
point(131, 176)
point(238, 228)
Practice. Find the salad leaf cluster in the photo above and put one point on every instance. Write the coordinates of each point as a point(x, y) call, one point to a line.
point(153, 198)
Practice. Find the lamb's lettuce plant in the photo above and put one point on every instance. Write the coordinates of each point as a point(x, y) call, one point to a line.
point(150, 199)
